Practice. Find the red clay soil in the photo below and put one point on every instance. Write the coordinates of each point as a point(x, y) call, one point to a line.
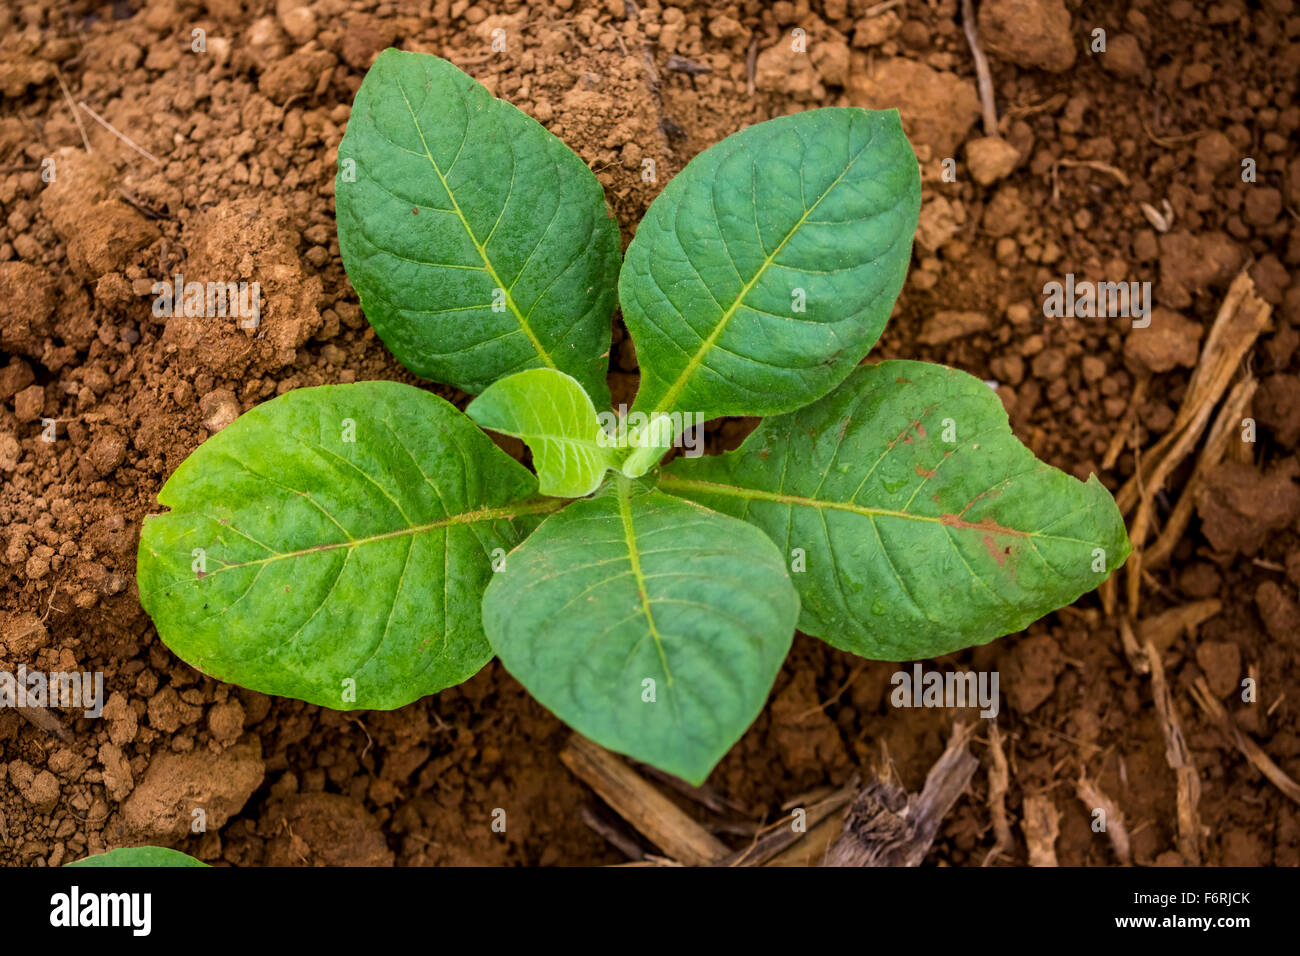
point(234, 176)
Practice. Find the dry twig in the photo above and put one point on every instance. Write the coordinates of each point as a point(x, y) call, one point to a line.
point(982, 75)
point(999, 779)
point(656, 817)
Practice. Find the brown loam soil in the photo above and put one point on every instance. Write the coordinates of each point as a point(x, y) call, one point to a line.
point(234, 176)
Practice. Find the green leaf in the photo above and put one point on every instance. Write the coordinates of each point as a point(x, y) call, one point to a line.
point(551, 413)
point(335, 536)
point(766, 269)
point(139, 856)
point(925, 525)
point(479, 243)
point(652, 625)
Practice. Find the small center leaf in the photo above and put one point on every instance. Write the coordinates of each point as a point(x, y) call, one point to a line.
point(553, 415)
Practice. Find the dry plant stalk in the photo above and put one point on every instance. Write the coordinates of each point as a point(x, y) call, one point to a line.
point(1126, 423)
point(649, 811)
point(1094, 798)
point(1249, 749)
point(886, 826)
point(1137, 658)
point(783, 837)
point(1179, 759)
point(999, 780)
point(1217, 445)
point(1162, 630)
point(1241, 318)
point(811, 850)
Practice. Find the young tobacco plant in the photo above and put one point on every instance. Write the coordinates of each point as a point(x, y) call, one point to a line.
point(364, 545)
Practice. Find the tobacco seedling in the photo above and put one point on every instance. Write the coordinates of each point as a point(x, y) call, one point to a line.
point(364, 545)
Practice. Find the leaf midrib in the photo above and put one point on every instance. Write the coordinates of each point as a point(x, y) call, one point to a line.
point(482, 251)
point(623, 493)
point(739, 491)
point(539, 506)
point(675, 389)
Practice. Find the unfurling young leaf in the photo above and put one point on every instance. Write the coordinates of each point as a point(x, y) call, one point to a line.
point(479, 243)
point(766, 269)
point(550, 412)
point(927, 526)
point(650, 624)
point(333, 545)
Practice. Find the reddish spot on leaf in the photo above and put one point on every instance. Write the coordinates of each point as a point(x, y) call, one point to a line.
point(920, 429)
point(923, 473)
point(987, 524)
point(994, 551)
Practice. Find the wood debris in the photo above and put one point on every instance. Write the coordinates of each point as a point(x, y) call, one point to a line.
point(886, 826)
point(1041, 824)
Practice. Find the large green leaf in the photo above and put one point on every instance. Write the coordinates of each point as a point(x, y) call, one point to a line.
point(650, 624)
point(334, 544)
point(925, 525)
point(551, 413)
point(767, 268)
point(479, 243)
point(138, 856)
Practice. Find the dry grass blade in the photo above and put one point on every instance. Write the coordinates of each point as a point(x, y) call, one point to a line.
point(982, 75)
point(76, 117)
point(1250, 750)
point(120, 135)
